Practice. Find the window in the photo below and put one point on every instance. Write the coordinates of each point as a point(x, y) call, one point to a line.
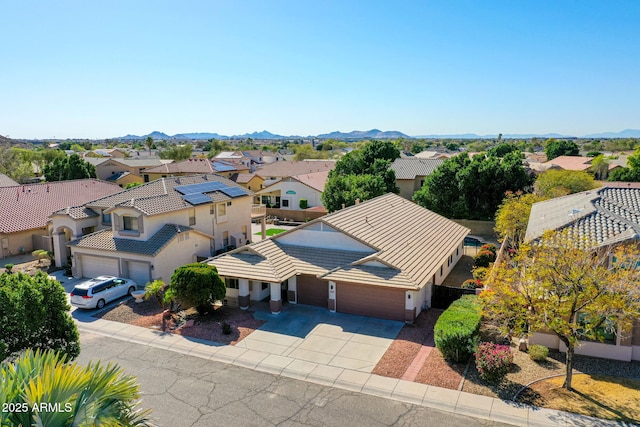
point(88, 230)
point(192, 217)
point(212, 209)
point(225, 239)
point(106, 218)
point(228, 203)
point(265, 285)
point(457, 251)
point(441, 268)
point(605, 333)
point(231, 283)
point(265, 200)
point(222, 209)
point(130, 223)
point(285, 203)
point(244, 231)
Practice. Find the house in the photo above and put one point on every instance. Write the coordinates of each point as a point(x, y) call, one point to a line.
point(378, 258)
point(283, 169)
point(576, 163)
point(252, 181)
point(5, 181)
point(411, 172)
point(592, 219)
point(250, 158)
point(115, 153)
point(427, 154)
point(26, 209)
point(191, 167)
point(286, 193)
point(146, 232)
point(108, 168)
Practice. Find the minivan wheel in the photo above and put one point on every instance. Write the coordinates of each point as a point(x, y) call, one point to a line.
point(100, 303)
point(131, 290)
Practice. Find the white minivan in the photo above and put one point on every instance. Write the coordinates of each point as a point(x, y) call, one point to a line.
point(95, 293)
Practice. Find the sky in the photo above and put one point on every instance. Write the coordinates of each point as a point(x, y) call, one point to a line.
point(102, 69)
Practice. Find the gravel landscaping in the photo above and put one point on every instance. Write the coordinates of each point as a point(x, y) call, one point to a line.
point(188, 323)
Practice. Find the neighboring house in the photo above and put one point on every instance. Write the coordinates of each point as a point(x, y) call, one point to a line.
point(252, 181)
point(26, 209)
point(192, 167)
point(5, 181)
point(146, 232)
point(283, 169)
point(107, 168)
point(114, 153)
point(286, 193)
point(378, 258)
point(411, 172)
point(435, 155)
point(250, 158)
point(576, 163)
point(592, 219)
point(121, 179)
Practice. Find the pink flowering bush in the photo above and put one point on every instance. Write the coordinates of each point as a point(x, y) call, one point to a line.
point(493, 361)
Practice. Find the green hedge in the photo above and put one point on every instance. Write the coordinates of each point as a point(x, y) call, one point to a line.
point(456, 331)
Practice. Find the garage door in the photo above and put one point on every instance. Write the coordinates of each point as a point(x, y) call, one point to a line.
point(374, 301)
point(93, 266)
point(139, 272)
point(312, 291)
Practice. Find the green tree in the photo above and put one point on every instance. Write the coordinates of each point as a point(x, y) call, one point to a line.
point(34, 313)
point(14, 165)
point(89, 395)
point(472, 188)
point(630, 173)
point(512, 216)
point(67, 168)
point(556, 183)
point(361, 174)
point(177, 152)
point(196, 285)
point(306, 151)
point(574, 294)
point(215, 146)
point(599, 167)
point(148, 143)
point(502, 149)
point(555, 149)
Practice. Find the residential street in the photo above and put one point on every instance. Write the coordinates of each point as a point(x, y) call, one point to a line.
point(188, 391)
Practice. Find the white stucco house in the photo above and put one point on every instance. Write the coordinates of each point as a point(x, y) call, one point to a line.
point(286, 193)
point(146, 232)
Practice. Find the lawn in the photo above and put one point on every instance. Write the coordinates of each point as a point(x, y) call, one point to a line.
point(601, 396)
point(271, 232)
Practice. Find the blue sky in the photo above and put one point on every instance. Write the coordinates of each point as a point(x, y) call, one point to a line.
point(91, 69)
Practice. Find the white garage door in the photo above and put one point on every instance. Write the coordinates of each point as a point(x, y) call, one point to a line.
point(139, 272)
point(93, 266)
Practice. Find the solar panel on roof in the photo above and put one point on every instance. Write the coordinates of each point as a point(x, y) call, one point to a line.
point(233, 191)
point(203, 187)
point(197, 199)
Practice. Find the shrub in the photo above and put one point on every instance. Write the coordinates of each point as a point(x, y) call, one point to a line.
point(40, 254)
point(538, 353)
point(157, 289)
point(493, 361)
point(304, 204)
point(484, 258)
point(471, 284)
point(226, 328)
point(8, 267)
point(489, 247)
point(196, 285)
point(480, 273)
point(456, 331)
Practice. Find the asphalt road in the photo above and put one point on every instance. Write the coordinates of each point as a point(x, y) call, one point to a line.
point(189, 391)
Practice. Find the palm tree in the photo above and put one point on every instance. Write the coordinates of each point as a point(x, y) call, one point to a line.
point(74, 395)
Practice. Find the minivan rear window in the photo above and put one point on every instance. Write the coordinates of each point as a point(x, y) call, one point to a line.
point(79, 292)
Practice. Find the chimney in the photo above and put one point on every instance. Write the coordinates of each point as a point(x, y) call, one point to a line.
point(357, 201)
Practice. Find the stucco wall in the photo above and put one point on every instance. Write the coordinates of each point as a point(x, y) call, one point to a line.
point(295, 215)
point(300, 191)
point(16, 241)
point(406, 187)
point(321, 236)
point(479, 228)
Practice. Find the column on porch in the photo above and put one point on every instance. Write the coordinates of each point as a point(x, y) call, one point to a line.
point(331, 302)
point(275, 303)
point(263, 226)
point(292, 290)
point(243, 293)
point(60, 248)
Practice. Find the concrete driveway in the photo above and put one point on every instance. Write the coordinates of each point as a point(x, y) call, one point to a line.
point(313, 334)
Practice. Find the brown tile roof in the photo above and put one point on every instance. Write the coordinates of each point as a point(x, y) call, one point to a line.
point(409, 244)
point(315, 180)
point(192, 166)
point(5, 181)
point(243, 178)
point(574, 163)
point(410, 167)
point(105, 241)
point(29, 206)
point(292, 168)
point(159, 196)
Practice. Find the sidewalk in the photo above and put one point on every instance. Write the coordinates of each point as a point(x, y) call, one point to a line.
point(458, 402)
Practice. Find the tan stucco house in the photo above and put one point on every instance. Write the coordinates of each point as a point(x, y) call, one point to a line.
point(146, 232)
point(411, 173)
point(193, 166)
point(378, 258)
point(593, 219)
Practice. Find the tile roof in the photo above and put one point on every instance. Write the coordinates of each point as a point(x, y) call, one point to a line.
point(194, 166)
point(104, 240)
point(315, 180)
point(159, 196)
point(410, 167)
point(243, 178)
point(117, 176)
point(574, 163)
point(5, 181)
point(591, 218)
point(26, 207)
point(409, 242)
point(291, 168)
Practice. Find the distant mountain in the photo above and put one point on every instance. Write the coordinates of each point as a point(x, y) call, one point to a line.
point(627, 133)
point(199, 135)
point(505, 136)
point(369, 134)
point(259, 135)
